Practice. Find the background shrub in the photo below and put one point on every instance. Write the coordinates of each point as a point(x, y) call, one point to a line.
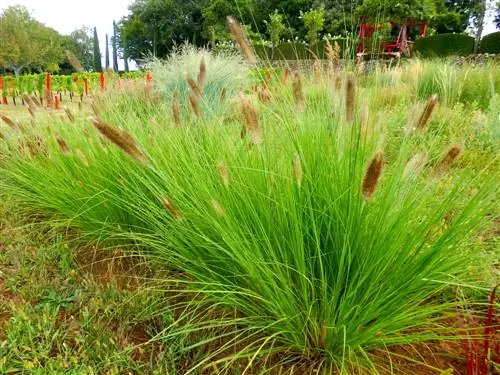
point(299, 51)
point(444, 45)
point(490, 43)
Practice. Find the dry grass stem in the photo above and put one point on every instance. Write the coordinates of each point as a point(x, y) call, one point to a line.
point(194, 86)
point(448, 159)
point(167, 203)
point(176, 111)
point(297, 170)
point(120, 138)
point(251, 119)
point(426, 114)
point(223, 173)
point(74, 62)
point(415, 164)
point(241, 40)
point(70, 114)
point(372, 175)
point(298, 92)
point(202, 74)
point(350, 97)
point(216, 206)
point(62, 145)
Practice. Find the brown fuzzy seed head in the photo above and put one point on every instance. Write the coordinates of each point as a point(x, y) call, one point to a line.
point(251, 119)
point(69, 113)
point(120, 138)
point(239, 37)
point(264, 96)
point(62, 144)
point(415, 164)
point(350, 97)
point(426, 114)
point(297, 170)
point(337, 83)
point(223, 94)
point(223, 173)
point(32, 112)
point(9, 121)
point(298, 93)
point(193, 102)
point(194, 87)
point(169, 206)
point(202, 73)
point(448, 159)
point(176, 111)
point(372, 175)
point(35, 100)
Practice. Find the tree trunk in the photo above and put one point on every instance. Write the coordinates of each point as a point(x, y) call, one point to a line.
point(480, 26)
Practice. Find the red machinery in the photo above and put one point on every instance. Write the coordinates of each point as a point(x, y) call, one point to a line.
point(395, 47)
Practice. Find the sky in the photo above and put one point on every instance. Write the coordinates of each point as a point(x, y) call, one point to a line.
point(68, 15)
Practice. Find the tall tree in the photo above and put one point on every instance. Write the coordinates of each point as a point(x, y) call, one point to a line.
point(27, 43)
point(107, 53)
point(397, 10)
point(80, 43)
point(114, 42)
point(97, 53)
point(479, 23)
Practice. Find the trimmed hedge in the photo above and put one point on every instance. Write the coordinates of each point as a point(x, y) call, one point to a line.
point(442, 45)
point(299, 51)
point(490, 43)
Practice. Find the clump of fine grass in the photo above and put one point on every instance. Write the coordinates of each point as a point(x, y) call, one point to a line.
point(308, 251)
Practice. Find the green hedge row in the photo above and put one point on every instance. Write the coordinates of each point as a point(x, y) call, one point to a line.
point(442, 45)
point(490, 43)
point(299, 51)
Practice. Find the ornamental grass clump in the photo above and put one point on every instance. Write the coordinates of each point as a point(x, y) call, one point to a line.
point(310, 250)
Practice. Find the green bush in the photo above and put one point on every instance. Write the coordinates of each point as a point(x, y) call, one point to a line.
point(490, 43)
point(299, 51)
point(442, 45)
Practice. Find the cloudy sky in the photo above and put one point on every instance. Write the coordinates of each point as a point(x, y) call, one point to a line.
point(68, 15)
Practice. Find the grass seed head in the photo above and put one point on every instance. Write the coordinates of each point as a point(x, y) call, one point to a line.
point(202, 73)
point(9, 122)
point(176, 111)
point(372, 175)
point(74, 62)
point(448, 159)
point(120, 138)
point(69, 113)
point(223, 94)
point(240, 39)
point(216, 206)
point(169, 206)
point(426, 114)
point(350, 92)
point(62, 144)
point(297, 170)
point(35, 100)
point(194, 86)
point(298, 92)
point(317, 70)
point(251, 119)
point(415, 164)
point(223, 173)
point(264, 95)
point(195, 106)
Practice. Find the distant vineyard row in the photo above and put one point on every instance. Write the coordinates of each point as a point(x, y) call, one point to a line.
point(46, 85)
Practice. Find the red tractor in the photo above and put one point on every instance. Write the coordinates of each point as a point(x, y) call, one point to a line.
point(398, 41)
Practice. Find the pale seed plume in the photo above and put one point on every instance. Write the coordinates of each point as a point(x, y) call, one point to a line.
point(365, 117)
point(239, 37)
point(194, 86)
point(415, 164)
point(176, 111)
point(216, 206)
point(169, 206)
point(27, 100)
point(95, 109)
point(350, 92)
point(202, 74)
point(337, 82)
point(297, 170)
point(74, 62)
point(223, 173)
point(69, 113)
point(121, 139)
point(62, 145)
point(448, 159)
point(35, 100)
point(251, 119)
point(298, 92)
point(317, 70)
point(372, 175)
point(81, 156)
point(195, 106)
point(426, 114)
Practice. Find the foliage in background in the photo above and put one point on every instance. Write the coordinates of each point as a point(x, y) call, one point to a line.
point(490, 43)
point(442, 45)
point(314, 20)
point(275, 29)
point(97, 53)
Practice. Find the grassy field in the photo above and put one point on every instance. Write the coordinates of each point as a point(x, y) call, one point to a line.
point(336, 222)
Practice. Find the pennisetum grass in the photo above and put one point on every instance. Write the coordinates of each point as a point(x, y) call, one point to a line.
point(298, 92)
